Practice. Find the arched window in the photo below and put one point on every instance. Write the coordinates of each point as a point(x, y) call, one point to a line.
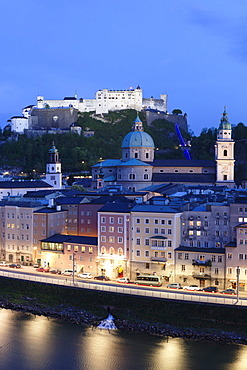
point(132, 176)
point(103, 250)
point(120, 251)
point(225, 153)
point(119, 176)
point(136, 155)
point(145, 176)
point(147, 155)
point(111, 251)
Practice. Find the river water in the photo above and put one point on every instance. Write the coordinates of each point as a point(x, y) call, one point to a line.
point(30, 342)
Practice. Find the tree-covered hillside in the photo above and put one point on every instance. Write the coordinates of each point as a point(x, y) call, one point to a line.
point(78, 153)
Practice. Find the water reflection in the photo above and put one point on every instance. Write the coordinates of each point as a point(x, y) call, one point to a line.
point(36, 343)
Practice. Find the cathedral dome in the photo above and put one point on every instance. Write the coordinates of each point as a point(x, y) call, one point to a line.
point(137, 138)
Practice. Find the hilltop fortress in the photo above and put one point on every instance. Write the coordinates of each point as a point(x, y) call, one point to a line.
point(61, 115)
point(108, 100)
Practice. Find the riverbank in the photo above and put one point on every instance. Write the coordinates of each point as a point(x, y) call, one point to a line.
point(137, 314)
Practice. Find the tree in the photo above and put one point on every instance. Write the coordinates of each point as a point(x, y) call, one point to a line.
point(177, 111)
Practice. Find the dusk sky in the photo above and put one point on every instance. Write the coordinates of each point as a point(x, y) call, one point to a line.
point(193, 50)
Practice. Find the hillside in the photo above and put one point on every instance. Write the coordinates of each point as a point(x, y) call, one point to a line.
point(78, 153)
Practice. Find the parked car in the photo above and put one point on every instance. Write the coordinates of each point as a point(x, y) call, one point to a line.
point(229, 291)
point(3, 264)
point(36, 265)
point(211, 289)
point(101, 277)
point(42, 269)
point(174, 286)
point(192, 287)
point(55, 271)
point(85, 275)
point(68, 272)
point(15, 265)
point(124, 280)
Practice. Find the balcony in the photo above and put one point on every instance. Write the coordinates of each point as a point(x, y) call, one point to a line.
point(201, 275)
point(207, 263)
point(158, 259)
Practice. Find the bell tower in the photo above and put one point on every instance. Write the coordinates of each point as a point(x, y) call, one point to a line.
point(53, 169)
point(224, 153)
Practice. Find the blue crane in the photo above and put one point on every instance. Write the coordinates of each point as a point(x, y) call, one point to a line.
point(183, 145)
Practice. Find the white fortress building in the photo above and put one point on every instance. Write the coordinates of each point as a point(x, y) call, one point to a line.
point(108, 100)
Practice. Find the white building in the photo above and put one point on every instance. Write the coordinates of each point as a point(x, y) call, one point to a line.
point(108, 100)
point(18, 124)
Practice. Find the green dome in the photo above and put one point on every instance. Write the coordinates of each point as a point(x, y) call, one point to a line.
point(224, 123)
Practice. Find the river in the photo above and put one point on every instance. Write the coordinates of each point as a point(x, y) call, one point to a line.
point(29, 342)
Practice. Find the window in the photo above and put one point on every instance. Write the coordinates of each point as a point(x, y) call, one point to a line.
point(169, 255)
point(213, 259)
point(103, 250)
point(76, 248)
point(120, 220)
point(138, 221)
point(186, 256)
point(146, 253)
point(156, 231)
point(120, 240)
point(240, 256)
point(225, 153)
point(206, 244)
point(180, 255)
point(183, 268)
point(147, 265)
point(216, 270)
point(111, 229)
point(162, 231)
point(156, 222)
point(169, 231)
point(90, 249)
point(132, 176)
point(229, 270)
point(146, 230)
point(145, 176)
point(138, 241)
point(138, 253)
point(147, 221)
point(138, 230)
point(103, 228)
point(120, 229)
point(229, 255)
point(68, 247)
point(103, 238)
point(219, 258)
point(120, 251)
point(111, 251)
point(190, 232)
point(169, 243)
point(217, 222)
point(111, 239)
point(103, 219)
point(146, 241)
point(169, 222)
point(111, 220)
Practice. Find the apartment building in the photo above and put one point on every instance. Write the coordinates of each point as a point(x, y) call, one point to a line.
point(47, 222)
point(16, 231)
point(155, 234)
point(70, 252)
point(114, 238)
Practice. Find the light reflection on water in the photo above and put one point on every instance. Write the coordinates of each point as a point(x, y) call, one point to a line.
point(30, 342)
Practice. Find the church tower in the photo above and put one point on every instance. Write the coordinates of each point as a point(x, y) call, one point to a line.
point(224, 153)
point(53, 169)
